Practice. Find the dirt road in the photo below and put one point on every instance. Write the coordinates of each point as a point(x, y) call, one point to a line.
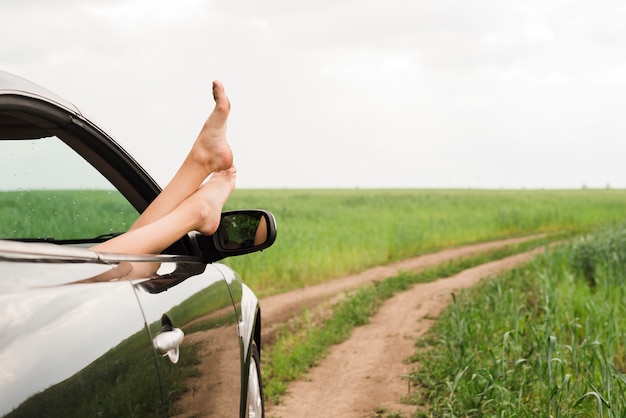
point(366, 371)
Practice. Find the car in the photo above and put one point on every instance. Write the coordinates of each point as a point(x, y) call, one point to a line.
point(84, 333)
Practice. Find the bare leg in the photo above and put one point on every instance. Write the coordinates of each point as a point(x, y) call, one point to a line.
point(209, 153)
point(201, 211)
point(185, 204)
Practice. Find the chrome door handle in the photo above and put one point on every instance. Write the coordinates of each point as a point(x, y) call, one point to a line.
point(168, 340)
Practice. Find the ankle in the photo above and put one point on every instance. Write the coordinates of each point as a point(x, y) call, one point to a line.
point(206, 219)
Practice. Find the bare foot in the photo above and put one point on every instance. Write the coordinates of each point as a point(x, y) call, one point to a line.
point(211, 147)
point(213, 195)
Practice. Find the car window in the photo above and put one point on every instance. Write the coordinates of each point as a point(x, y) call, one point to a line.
point(49, 192)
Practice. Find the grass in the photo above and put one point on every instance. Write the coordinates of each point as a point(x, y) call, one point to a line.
point(329, 233)
point(382, 412)
point(302, 343)
point(554, 345)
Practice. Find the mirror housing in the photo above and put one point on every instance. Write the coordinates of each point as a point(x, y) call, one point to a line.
point(240, 232)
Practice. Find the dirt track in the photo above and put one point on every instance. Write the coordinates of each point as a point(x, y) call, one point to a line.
point(366, 371)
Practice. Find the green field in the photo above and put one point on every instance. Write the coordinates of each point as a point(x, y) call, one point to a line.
point(63, 214)
point(328, 233)
point(554, 346)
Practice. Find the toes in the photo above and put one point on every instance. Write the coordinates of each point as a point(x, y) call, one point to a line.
point(219, 95)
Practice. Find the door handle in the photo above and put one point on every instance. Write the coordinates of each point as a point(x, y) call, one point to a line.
point(168, 340)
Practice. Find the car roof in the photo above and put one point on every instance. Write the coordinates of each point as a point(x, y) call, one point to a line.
point(11, 84)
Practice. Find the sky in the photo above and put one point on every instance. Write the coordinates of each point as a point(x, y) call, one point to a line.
point(343, 93)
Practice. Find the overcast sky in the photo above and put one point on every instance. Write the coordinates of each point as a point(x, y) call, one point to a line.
point(334, 93)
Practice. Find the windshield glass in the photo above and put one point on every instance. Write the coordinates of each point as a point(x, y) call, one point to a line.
point(48, 191)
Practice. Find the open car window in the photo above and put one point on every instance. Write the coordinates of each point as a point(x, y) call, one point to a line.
point(48, 192)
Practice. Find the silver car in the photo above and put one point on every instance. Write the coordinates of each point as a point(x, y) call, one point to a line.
point(92, 334)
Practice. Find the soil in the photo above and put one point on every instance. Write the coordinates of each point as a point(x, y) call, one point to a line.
point(368, 371)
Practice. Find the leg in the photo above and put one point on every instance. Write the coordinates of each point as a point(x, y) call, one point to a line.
point(184, 205)
point(201, 211)
point(209, 153)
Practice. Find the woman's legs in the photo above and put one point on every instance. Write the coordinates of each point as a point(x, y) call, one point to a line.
point(199, 212)
point(209, 153)
point(185, 204)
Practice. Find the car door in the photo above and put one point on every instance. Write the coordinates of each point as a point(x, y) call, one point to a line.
point(72, 343)
point(200, 360)
point(75, 343)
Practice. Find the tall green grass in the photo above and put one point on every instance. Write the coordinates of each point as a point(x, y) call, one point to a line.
point(328, 233)
point(553, 345)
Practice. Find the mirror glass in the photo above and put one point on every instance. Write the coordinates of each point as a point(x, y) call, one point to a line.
point(242, 230)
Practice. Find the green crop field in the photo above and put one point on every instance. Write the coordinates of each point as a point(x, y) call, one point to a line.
point(63, 214)
point(554, 346)
point(327, 233)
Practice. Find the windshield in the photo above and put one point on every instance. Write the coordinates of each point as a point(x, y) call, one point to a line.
point(49, 192)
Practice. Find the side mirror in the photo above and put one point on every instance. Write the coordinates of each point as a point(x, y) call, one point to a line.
point(240, 232)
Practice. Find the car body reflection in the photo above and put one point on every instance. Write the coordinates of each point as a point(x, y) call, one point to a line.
point(62, 357)
point(53, 334)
